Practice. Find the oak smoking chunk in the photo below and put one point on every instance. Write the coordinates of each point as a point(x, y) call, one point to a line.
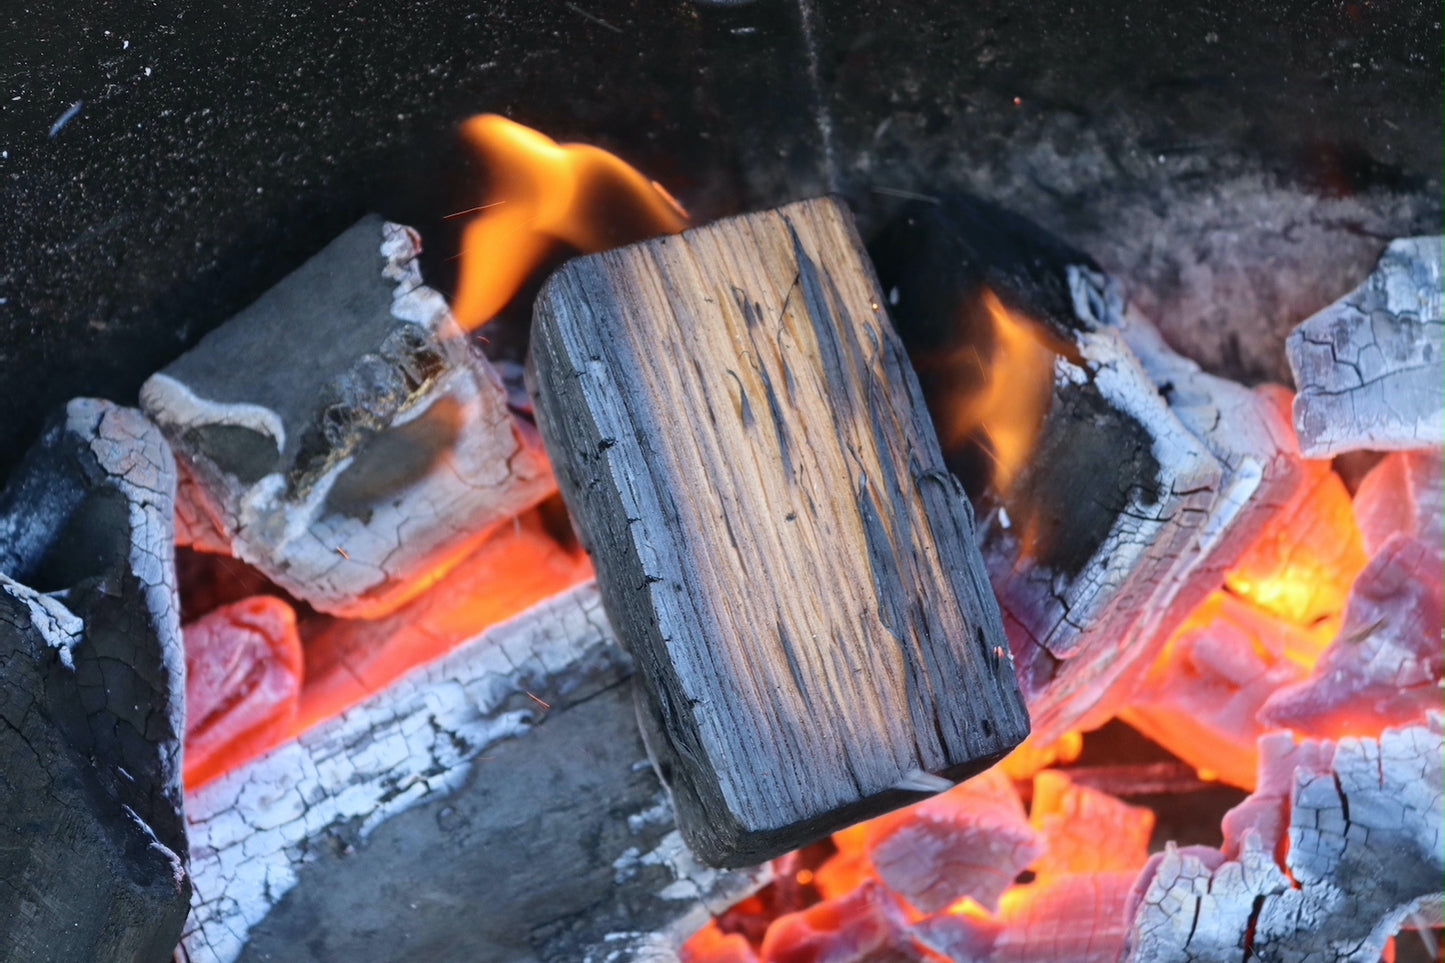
point(342, 435)
point(743, 444)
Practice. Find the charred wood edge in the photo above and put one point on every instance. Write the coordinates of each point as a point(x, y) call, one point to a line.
point(1093, 629)
point(252, 830)
point(374, 454)
point(1370, 368)
point(1364, 860)
point(1243, 430)
point(736, 428)
point(93, 850)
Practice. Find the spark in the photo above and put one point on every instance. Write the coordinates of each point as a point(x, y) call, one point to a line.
point(66, 117)
point(539, 701)
point(473, 210)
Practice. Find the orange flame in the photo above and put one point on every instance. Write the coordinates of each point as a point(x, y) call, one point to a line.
point(545, 194)
point(1011, 391)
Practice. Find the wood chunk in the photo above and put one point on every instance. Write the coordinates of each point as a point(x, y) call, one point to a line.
point(243, 683)
point(291, 850)
point(743, 445)
point(93, 844)
point(1364, 857)
point(1370, 368)
point(342, 434)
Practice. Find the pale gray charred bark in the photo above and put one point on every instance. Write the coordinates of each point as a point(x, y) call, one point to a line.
point(92, 679)
point(1363, 822)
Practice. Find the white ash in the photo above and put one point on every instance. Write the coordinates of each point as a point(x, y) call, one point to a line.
point(1370, 368)
point(1365, 857)
point(252, 830)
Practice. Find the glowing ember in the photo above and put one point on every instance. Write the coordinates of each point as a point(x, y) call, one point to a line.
point(243, 675)
point(1203, 694)
point(1303, 564)
point(545, 195)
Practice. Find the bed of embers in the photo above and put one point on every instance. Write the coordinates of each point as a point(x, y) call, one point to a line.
point(1249, 577)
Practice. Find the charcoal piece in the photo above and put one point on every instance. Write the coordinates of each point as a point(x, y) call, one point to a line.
point(342, 435)
point(92, 675)
point(501, 808)
point(1148, 478)
point(742, 443)
point(1363, 823)
point(1370, 368)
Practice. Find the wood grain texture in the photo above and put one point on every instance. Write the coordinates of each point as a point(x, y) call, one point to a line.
point(744, 447)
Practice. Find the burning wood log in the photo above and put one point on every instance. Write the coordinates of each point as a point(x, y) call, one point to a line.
point(93, 844)
point(1370, 368)
point(1363, 857)
point(558, 861)
point(743, 446)
point(1099, 525)
point(342, 434)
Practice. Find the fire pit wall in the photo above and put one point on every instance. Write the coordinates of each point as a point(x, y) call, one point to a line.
point(1236, 169)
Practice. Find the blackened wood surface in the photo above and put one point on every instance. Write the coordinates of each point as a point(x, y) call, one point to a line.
point(92, 838)
point(739, 435)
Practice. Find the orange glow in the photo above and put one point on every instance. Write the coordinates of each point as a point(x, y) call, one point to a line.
point(255, 694)
point(518, 566)
point(1203, 692)
point(1004, 394)
point(243, 674)
point(1030, 758)
point(711, 945)
point(1087, 831)
point(1303, 564)
point(545, 195)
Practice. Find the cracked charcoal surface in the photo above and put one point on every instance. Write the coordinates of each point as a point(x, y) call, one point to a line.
point(344, 408)
point(419, 803)
point(1370, 368)
point(1365, 845)
point(92, 862)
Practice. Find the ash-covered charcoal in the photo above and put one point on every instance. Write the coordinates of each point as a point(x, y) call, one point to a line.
point(1364, 824)
point(467, 794)
point(92, 674)
point(1370, 368)
point(1101, 510)
point(970, 841)
point(342, 435)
